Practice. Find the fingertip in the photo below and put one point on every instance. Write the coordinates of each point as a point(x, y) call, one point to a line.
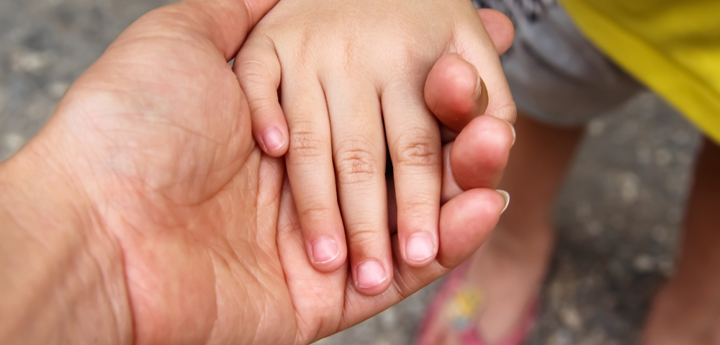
point(420, 249)
point(258, 70)
point(465, 223)
point(372, 277)
point(326, 254)
point(481, 152)
point(499, 27)
point(273, 141)
point(452, 89)
point(472, 206)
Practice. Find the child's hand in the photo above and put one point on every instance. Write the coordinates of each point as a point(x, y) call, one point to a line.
point(349, 70)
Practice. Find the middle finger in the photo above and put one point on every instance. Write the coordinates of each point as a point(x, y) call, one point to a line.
point(359, 154)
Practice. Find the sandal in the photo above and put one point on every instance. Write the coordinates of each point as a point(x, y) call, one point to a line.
point(461, 303)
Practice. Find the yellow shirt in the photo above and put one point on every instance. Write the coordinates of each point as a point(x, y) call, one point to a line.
point(672, 46)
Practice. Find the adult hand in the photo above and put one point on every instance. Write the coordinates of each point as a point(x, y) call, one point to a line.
point(144, 212)
point(451, 93)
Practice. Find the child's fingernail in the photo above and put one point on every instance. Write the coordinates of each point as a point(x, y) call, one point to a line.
point(369, 274)
point(506, 196)
point(273, 139)
point(324, 250)
point(419, 247)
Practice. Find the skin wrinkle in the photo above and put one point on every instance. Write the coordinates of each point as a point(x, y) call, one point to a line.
point(58, 170)
point(400, 284)
point(151, 78)
point(190, 176)
point(104, 289)
point(304, 145)
point(247, 71)
point(364, 234)
point(229, 41)
point(316, 213)
point(349, 51)
point(96, 222)
point(141, 101)
point(218, 293)
point(139, 42)
point(75, 283)
point(153, 121)
point(286, 233)
point(173, 24)
point(356, 165)
point(300, 55)
point(189, 232)
point(171, 222)
point(348, 306)
point(414, 149)
point(126, 281)
point(327, 106)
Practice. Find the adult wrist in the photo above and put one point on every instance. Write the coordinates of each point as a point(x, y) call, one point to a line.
point(62, 275)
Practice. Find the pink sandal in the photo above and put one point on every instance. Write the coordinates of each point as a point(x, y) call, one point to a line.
point(461, 303)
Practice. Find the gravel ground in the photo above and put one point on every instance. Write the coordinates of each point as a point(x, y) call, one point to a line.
point(618, 215)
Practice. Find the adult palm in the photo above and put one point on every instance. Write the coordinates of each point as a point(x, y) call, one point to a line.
point(156, 137)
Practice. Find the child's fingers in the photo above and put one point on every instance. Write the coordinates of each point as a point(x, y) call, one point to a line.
point(414, 142)
point(258, 70)
point(310, 170)
point(465, 223)
point(359, 153)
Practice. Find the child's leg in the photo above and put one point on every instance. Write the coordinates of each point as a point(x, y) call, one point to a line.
point(510, 266)
point(559, 78)
point(687, 310)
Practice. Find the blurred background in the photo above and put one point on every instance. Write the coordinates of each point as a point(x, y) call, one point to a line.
point(618, 215)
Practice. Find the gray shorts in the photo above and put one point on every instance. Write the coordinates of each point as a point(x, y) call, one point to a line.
point(555, 74)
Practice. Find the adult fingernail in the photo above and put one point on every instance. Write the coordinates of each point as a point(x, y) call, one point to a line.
point(514, 133)
point(506, 196)
point(419, 247)
point(450, 188)
point(324, 250)
point(273, 139)
point(478, 88)
point(370, 273)
point(481, 96)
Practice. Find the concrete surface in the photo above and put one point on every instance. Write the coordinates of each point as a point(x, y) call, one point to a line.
point(618, 215)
